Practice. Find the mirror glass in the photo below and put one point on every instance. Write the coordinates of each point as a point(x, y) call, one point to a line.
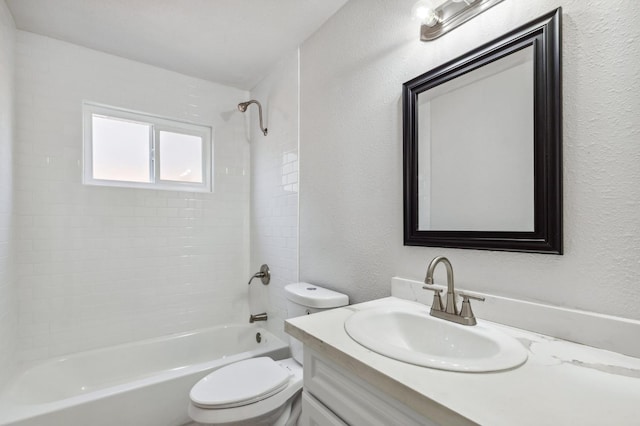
point(475, 146)
point(483, 146)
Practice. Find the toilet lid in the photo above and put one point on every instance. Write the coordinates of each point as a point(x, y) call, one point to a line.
point(240, 383)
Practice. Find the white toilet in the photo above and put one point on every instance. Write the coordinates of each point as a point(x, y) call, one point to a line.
point(261, 391)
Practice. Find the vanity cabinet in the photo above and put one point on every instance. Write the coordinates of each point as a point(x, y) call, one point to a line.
point(346, 383)
point(335, 396)
point(314, 413)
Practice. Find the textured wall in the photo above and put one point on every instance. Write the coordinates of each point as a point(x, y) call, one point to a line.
point(8, 304)
point(96, 265)
point(352, 70)
point(274, 190)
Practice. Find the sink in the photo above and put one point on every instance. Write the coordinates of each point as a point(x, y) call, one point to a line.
point(408, 333)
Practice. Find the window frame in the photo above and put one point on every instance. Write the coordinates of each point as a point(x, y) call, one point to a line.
point(156, 125)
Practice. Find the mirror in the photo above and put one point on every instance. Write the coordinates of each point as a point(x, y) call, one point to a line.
point(482, 146)
point(464, 182)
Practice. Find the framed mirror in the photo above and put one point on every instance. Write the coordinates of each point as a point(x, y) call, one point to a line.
point(483, 146)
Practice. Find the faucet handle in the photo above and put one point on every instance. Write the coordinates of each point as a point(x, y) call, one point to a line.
point(466, 311)
point(436, 305)
point(466, 296)
point(264, 274)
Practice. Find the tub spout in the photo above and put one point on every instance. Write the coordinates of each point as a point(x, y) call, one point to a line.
point(258, 317)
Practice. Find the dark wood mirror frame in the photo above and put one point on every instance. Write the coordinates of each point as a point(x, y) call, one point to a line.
point(544, 35)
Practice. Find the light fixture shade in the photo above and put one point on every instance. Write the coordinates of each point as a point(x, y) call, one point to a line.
point(424, 11)
point(447, 15)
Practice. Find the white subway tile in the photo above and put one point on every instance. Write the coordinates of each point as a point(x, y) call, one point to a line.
point(99, 266)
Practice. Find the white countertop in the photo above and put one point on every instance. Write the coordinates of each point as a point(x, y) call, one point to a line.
point(562, 383)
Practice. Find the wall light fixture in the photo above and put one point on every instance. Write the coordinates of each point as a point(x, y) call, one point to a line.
point(438, 17)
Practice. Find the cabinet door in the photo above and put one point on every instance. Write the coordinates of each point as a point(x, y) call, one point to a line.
point(314, 413)
point(356, 402)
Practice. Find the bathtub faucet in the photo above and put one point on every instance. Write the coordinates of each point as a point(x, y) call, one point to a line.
point(264, 274)
point(258, 317)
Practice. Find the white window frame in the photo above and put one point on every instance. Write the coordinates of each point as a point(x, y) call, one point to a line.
point(156, 125)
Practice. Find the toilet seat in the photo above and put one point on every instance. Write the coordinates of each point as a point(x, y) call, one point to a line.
point(269, 402)
point(241, 383)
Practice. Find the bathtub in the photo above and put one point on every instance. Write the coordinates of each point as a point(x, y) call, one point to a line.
point(144, 383)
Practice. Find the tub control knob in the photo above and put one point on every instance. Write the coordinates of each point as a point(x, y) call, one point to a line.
point(264, 274)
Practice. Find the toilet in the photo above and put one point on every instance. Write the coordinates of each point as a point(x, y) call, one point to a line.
point(261, 391)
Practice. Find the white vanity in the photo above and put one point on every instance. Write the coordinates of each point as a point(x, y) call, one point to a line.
point(560, 382)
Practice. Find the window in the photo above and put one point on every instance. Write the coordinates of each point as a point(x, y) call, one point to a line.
point(125, 148)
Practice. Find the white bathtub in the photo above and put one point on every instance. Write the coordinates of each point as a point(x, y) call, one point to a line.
point(136, 384)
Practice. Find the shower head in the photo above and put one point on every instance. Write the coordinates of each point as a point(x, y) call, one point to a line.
point(242, 107)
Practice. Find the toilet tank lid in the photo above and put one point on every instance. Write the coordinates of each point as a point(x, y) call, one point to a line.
point(315, 297)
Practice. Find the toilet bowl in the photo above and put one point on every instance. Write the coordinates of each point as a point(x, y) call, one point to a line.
point(261, 391)
point(256, 391)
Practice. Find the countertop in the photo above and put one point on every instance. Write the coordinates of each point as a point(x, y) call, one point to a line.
point(562, 383)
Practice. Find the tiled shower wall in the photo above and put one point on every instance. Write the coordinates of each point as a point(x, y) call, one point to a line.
point(98, 266)
point(274, 190)
point(8, 312)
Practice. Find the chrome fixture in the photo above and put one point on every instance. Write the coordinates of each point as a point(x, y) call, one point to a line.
point(242, 107)
point(450, 311)
point(438, 17)
point(264, 274)
point(257, 317)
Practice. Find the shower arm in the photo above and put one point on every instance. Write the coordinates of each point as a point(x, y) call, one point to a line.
point(243, 107)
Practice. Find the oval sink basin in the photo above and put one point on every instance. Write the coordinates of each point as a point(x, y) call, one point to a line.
point(408, 333)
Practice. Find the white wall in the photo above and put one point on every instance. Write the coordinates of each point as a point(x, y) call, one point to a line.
point(274, 190)
point(352, 70)
point(98, 266)
point(8, 306)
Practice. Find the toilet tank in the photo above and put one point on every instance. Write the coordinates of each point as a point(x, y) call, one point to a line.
point(304, 299)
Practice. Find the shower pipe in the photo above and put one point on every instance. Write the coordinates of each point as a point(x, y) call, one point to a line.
point(242, 107)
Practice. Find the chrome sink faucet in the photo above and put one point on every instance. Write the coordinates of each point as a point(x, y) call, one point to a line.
point(450, 311)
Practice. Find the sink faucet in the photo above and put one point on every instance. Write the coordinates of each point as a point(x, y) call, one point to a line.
point(450, 311)
point(451, 307)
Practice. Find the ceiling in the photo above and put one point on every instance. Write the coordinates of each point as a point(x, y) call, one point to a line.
point(233, 42)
